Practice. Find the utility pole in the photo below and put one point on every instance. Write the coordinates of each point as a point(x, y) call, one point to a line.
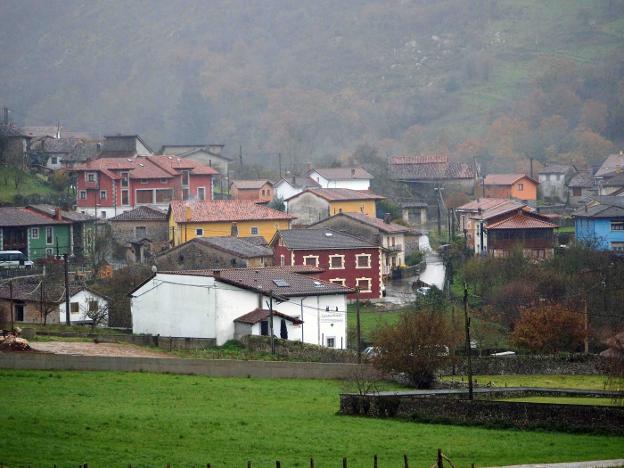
point(586, 320)
point(531, 163)
point(271, 321)
point(240, 156)
point(11, 300)
point(358, 327)
point(279, 158)
point(448, 223)
point(66, 265)
point(468, 347)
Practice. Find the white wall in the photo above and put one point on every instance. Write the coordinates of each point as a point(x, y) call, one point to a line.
point(82, 298)
point(353, 184)
point(284, 190)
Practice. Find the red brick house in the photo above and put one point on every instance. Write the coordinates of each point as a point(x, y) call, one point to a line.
point(344, 259)
point(110, 186)
point(252, 190)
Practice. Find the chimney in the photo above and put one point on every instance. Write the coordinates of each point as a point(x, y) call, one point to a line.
point(294, 180)
point(387, 218)
point(353, 172)
point(309, 166)
point(57, 214)
point(188, 213)
point(234, 230)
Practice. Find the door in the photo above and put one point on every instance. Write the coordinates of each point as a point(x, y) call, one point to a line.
point(19, 312)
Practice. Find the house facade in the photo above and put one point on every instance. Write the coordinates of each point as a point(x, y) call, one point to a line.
point(600, 223)
point(218, 305)
point(313, 205)
point(218, 218)
point(36, 235)
point(286, 188)
point(580, 187)
point(260, 191)
point(209, 155)
point(108, 186)
point(554, 180)
point(141, 233)
point(519, 186)
point(381, 232)
point(352, 178)
point(345, 259)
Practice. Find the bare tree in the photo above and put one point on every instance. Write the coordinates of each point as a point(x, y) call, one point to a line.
point(95, 311)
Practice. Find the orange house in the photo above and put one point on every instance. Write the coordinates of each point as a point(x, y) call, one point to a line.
point(519, 186)
point(252, 190)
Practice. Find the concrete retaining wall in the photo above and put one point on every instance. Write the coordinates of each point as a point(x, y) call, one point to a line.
point(211, 367)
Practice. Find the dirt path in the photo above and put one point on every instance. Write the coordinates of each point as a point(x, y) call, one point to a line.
point(95, 349)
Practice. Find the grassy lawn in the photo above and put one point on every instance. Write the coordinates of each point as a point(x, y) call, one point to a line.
point(565, 400)
point(370, 319)
point(111, 419)
point(30, 185)
point(585, 382)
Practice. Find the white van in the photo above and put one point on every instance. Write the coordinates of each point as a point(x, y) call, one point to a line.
point(14, 259)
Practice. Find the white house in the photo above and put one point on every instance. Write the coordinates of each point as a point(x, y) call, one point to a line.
point(229, 303)
point(354, 178)
point(291, 186)
point(84, 306)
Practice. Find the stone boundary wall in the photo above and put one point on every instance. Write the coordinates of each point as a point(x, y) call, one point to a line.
point(565, 364)
point(489, 413)
point(210, 367)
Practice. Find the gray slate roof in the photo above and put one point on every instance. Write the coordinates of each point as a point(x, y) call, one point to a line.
point(582, 180)
point(322, 239)
point(141, 213)
point(342, 173)
point(607, 207)
point(10, 216)
point(50, 210)
point(556, 169)
point(238, 246)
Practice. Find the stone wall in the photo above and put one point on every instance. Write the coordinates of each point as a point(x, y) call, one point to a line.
point(564, 364)
point(124, 231)
point(193, 256)
point(479, 412)
point(299, 351)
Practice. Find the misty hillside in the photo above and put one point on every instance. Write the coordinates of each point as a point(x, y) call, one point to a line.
point(310, 79)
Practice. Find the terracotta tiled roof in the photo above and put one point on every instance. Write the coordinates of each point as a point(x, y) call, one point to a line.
point(224, 210)
point(429, 167)
point(481, 204)
point(522, 221)
point(24, 217)
point(341, 194)
point(145, 167)
point(250, 184)
point(141, 213)
point(505, 179)
point(507, 207)
point(321, 239)
point(342, 173)
point(258, 315)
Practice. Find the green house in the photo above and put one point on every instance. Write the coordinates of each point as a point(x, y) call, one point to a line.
point(36, 235)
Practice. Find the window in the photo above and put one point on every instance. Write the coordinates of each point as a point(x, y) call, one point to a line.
point(185, 178)
point(54, 160)
point(163, 181)
point(264, 328)
point(282, 260)
point(49, 235)
point(103, 214)
point(186, 193)
point(520, 187)
point(74, 307)
point(617, 246)
point(340, 281)
point(49, 252)
point(102, 194)
point(19, 312)
point(140, 232)
point(144, 181)
point(124, 179)
point(364, 284)
point(83, 194)
point(254, 231)
point(576, 191)
point(617, 225)
point(144, 196)
point(34, 233)
point(93, 306)
point(363, 261)
point(91, 177)
point(262, 192)
point(310, 260)
point(336, 262)
point(164, 195)
point(199, 232)
point(201, 193)
point(331, 342)
point(124, 197)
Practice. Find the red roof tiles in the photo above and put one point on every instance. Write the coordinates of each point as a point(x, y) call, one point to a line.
point(341, 194)
point(522, 221)
point(505, 179)
point(223, 210)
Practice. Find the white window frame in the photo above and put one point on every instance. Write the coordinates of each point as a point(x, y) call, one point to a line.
point(357, 262)
point(520, 187)
point(83, 194)
point(127, 192)
point(124, 177)
point(333, 338)
point(619, 224)
point(136, 197)
point(103, 214)
point(51, 235)
point(204, 195)
point(199, 232)
point(282, 260)
point(34, 233)
point(315, 257)
point(105, 194)
point(370, 284)
point(340, 281)
point(49, 252)
point(251, 230)
point(88, 177)
point(54, 160)
point(341, 257)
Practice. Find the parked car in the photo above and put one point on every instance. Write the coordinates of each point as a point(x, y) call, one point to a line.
point(423, 290)
point(14, 259)
point(370, 352)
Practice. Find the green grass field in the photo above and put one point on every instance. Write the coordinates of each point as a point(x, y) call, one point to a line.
point(30, 185)
point(370, 319)
point(566, 400)
point(112, 419)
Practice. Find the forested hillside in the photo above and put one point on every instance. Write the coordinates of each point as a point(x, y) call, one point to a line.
point(501, 80)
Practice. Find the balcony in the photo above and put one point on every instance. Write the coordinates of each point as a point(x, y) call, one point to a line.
point(394, 248)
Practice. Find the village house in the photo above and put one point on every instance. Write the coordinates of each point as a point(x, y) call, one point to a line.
point(211, 253)
point(286, 188)
point(26, 300)
point(227, 304)
point(218, 218)
point(56, 153)
point(498, 234)
point(414, 213)
point(483, 210)
point(381, 232)
point(209, 155)
point(34, 234)
point(519, 186)
point(581, 186)
point(82, 230)
point(344, 259)
point(16, 145)
point(315, 204)
point(614, 164)
point(613, 185)
point(259, 191)
point(108, 186)
point(141, 233)
point(352, 178)
point(423, 173)
point(600, 223)
point(125, 146)
point(554, 180)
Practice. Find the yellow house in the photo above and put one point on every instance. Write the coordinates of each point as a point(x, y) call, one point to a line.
point(315, 204)
point(191, 219)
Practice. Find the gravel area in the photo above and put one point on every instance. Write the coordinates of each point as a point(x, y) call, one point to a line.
point(95, 349)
